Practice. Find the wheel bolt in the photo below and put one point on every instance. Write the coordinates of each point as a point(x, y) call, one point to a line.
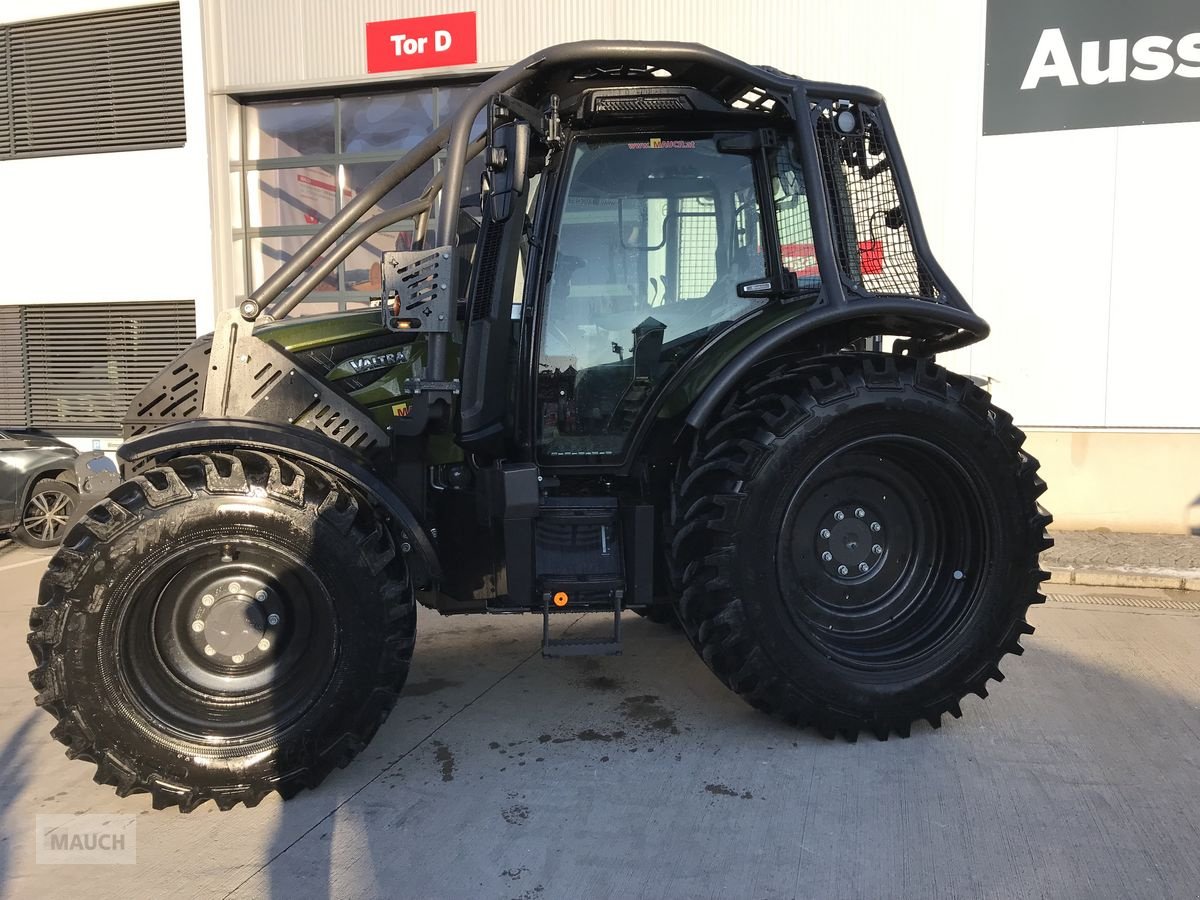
point(839, 515)
point(876, 549)
point(208, 599)
point(208, 650)
point(264, 644)
point(860, 513)
point(842, 570)
point(958, 576)
point(876, 527)
point(235, 587)
point(827, 556)
point(863, 567)
point(237, 658)
point(273, 619)
point(261, 596)
point(825, 533)
point(197, 625)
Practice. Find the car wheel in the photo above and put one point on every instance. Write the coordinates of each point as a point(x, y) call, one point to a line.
point(46, 513)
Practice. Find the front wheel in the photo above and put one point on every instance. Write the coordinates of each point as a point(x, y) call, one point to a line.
point(46, 513)
point(857, 540)
point(223, 626)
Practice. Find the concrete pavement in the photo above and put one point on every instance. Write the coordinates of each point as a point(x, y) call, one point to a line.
point(501, 774)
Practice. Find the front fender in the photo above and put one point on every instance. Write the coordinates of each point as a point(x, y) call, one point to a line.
point(298, 443)
point(936, 327)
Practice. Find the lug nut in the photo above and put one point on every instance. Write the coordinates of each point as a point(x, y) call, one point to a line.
point(958, 576)
point(235, 587)
point(264, 644)
point(876, 549)
point(861, 513)
point(237, 658)
point(863, 567)
point(197, 625)
point(208, 650)
point(842, 570)
point(208, 599)
point(273, 619)
point(827, 556)
point(876, 527)
point(839, 515)
point(825, 533)
point(261, 596)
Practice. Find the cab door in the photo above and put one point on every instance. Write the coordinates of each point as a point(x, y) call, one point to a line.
point(652, 237)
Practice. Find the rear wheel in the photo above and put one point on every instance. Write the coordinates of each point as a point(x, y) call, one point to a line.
point(46, 513)
point(857, 541)
point(220, 627)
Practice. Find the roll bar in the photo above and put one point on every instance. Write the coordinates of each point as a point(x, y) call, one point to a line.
point(454, 136)
point(719, 74)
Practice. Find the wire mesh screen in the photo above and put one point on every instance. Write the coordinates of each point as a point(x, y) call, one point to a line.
point(870, 223)
point(697, 260)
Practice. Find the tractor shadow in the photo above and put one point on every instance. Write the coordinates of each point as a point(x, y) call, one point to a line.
point(1069, 735)
point(16, 759)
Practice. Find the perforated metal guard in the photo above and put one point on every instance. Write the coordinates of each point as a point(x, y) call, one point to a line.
point(417, 291)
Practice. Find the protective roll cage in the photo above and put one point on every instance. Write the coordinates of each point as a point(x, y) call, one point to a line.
point(938, 320)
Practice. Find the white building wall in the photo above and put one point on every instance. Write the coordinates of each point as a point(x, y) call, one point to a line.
point(112, 227)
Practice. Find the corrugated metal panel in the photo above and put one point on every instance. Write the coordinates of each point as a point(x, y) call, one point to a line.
point(81, 365)
point(99, 82)
point(14, 396)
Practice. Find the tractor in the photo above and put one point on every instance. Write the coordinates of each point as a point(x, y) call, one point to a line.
point(674, 354)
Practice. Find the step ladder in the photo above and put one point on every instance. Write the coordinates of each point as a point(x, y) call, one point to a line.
point(559, 601)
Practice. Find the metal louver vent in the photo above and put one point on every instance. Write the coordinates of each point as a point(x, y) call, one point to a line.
point(92, 83)
point(14, 395)
point(79, 367)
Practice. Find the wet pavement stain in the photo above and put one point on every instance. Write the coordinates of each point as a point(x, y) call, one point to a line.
point(648, 712)
point(446, 758)
point(515, 815)
point(723, 790)
point(429, 686)
point(590, 734)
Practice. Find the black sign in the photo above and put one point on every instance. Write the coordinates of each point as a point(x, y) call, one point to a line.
point(1057, 64)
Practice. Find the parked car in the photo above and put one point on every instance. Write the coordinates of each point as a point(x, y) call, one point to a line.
point(38, 486)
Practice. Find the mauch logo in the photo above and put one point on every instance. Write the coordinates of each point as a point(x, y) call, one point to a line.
point(1152, 59)
point(86, 840)
point(1061, 64)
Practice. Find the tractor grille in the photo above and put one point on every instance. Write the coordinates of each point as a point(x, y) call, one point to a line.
point(869, 217)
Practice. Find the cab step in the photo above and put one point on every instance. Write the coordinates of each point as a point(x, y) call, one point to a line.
point(559, 601)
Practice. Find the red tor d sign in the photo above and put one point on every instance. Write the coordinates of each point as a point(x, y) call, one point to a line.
point(424, 42)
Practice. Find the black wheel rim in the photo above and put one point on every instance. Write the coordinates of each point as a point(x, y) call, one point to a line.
point(46, 514)
point(233, 640)
point(881, 552)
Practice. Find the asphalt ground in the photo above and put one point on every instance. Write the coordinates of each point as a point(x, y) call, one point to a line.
point(501, 774)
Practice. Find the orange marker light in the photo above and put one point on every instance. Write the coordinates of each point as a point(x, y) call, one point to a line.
point(561, 598)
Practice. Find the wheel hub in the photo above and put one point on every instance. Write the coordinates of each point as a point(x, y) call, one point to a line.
point(850, 541)
point(236, 622)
